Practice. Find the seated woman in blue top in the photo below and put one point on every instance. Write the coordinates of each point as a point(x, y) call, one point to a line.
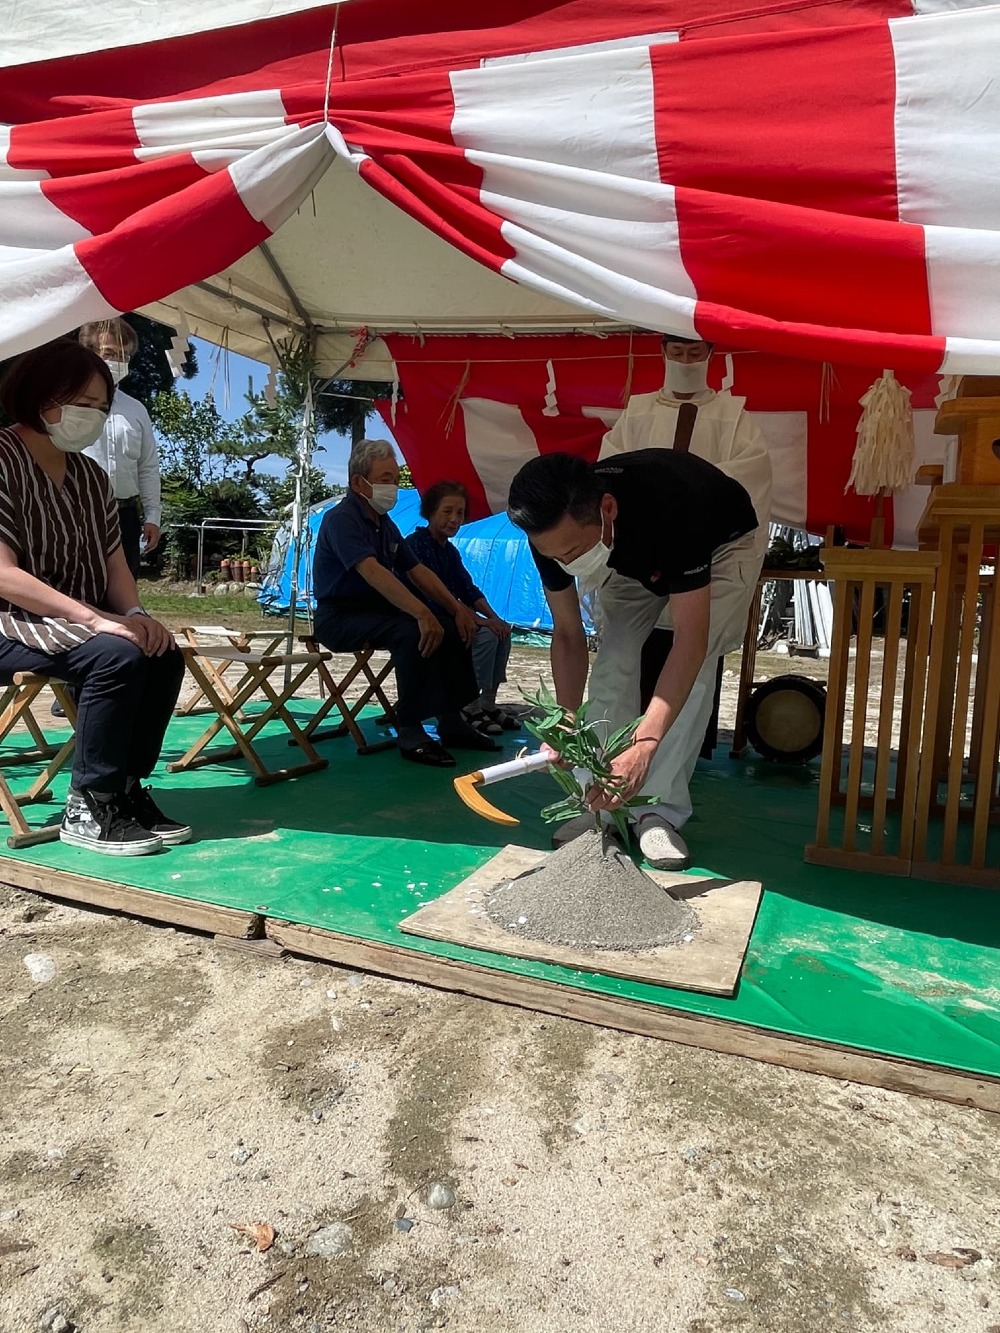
point(444, 506)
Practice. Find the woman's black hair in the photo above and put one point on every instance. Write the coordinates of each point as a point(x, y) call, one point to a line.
point(550, 487)
point(433, 496)
point(53, 373)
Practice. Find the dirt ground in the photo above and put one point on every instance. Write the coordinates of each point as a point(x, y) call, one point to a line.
point(162, 1087)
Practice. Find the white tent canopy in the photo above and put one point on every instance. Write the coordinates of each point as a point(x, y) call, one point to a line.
point(346, 261)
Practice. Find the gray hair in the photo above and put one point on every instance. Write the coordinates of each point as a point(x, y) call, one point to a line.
point(364, 456)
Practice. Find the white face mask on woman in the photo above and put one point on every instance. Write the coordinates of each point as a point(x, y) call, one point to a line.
point(686, 376)
point(77, 428)
point(383, 497)
point(593, 561)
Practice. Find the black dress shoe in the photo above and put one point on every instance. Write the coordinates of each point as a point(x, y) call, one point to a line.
point(470, 739)
point(430, 753)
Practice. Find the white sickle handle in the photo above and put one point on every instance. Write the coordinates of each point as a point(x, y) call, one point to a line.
point(528, 763)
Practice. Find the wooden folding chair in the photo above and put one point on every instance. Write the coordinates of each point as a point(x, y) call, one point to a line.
point(258, 669)
point(16, 710)
point(244, 641)
point(333, 694)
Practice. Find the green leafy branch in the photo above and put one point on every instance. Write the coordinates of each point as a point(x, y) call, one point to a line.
point(578, 744)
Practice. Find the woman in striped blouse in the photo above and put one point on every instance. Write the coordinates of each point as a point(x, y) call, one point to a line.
point(69, 606)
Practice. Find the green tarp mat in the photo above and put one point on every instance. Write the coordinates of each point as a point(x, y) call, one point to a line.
point(894, 966)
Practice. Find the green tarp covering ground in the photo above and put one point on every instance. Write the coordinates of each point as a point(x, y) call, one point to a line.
point(895, 966)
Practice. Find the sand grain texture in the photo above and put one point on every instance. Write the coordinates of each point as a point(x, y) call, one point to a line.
point(590, 894)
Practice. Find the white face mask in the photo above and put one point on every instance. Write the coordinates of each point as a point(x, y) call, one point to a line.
point(686, 376)
point(77, 428)
point(383, 497)
point(593, 561)
point(119, 369)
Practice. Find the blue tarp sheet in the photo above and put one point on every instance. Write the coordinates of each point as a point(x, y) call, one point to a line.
point(494, 551)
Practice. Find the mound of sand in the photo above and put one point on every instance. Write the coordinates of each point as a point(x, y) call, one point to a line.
point(589, 894)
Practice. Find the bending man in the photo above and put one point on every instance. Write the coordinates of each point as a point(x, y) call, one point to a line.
point(660, 528)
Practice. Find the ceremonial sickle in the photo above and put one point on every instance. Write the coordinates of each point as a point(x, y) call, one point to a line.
point(468, 784)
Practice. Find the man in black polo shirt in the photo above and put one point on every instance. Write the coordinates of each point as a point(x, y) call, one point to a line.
point(361, 576)
point(650, 529)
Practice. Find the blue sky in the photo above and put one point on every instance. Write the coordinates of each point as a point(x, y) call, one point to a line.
point(228, 377)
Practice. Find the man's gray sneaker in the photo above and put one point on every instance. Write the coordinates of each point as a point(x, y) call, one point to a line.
point(661, 844)
point(105, 823)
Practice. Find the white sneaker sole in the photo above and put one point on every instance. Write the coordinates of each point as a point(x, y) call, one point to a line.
point(178, 836)
point(144, 848)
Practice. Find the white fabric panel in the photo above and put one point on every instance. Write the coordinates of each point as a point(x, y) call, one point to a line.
point(787, 435)
point(46, 29)
point(7, 172)
point(613, 44)
point(944, 6)
point(970, 356)
point(908, 505)
point(582, 231)
point(29, 219)
point(210, 127)
point(499, 442)
point(607, 415)
point(46, 293)
point(947, 145)
point(597, 108)
point(963, 280)
point(948, 119)
point(275, 179)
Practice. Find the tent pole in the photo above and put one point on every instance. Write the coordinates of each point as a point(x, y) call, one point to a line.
point(300, 504)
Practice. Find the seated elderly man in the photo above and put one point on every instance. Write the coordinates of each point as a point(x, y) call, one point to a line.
point(362, 600)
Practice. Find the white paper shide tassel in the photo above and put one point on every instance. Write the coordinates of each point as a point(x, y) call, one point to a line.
point(884, 455)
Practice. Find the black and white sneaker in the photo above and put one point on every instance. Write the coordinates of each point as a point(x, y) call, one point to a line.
point(146, 812)
point(105, 823)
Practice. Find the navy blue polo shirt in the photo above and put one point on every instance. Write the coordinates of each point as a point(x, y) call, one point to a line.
point(348, 534)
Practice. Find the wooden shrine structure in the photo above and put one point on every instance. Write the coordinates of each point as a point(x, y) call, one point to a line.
point(923, 799)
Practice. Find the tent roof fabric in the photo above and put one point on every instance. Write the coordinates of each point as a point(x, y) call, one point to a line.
point(816, 180)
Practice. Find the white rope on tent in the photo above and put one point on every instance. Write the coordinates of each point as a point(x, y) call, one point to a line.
point(329, 63)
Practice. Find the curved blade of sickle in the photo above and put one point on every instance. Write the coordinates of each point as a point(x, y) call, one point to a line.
point(467, 787)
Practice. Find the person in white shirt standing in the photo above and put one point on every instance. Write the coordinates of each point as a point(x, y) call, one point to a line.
point(687, 415)
point(127, 448)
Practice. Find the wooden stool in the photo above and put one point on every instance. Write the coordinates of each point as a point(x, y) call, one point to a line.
point(243, 641)
point(257, 671)
point(16, 708)
point(336, 697)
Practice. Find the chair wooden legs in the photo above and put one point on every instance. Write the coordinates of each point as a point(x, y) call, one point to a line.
point(336, 698)
point(15, 707)
point(227, 706)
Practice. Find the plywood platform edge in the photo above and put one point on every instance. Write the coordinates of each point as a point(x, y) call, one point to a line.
point(648, 1020)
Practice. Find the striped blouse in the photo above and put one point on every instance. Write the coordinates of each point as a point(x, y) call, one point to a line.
point(62, 535)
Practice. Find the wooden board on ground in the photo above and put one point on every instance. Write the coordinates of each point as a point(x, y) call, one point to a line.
point(709, 961)
point(405, 963)
point(123, 898)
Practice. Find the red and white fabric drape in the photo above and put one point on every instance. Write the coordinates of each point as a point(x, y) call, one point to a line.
point(475, 409)
point(820, 180)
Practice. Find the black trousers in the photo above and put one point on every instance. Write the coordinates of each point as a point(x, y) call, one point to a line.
point(124, 702)
point(130, 522)
point(426, 686)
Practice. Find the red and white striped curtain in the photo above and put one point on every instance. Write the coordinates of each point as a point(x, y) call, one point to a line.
point(821, 181)
point(475, 409)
